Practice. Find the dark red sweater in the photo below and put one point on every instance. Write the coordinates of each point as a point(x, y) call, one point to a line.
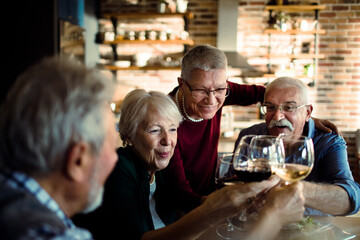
point(191, 170)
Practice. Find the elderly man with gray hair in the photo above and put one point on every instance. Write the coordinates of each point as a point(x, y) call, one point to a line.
point(330, 187)
point(57, 148)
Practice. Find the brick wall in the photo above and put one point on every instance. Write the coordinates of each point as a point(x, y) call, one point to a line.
point(336, 96)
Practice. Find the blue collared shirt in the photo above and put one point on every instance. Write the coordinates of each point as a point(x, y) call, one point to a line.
point(22, 182)
point(331, 164)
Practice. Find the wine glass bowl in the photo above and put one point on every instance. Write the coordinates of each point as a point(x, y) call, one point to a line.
point(254, 155)
point(267, 149)
point(226, 175)
point(225, 172)
point(299, 158)
point(249, 165)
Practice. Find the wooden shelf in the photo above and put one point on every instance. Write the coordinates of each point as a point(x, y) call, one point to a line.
point(295, 8)
point(146, 68)
point(136, 41)
point(295, 32)
point(141, 15)
point(295, 56)
point(114, 17)
point(72, 44)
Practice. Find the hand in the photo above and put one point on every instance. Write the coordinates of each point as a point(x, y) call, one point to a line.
point(229, 200)
point(286, 203)
point(326, 126)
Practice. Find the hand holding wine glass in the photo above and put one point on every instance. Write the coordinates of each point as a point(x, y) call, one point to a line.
point(226, 175)
point(253, 164)
point(264, 151)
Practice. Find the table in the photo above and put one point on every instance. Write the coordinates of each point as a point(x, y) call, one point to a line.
point(348, 224)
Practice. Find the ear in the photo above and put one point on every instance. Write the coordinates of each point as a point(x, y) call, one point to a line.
point(180, 82)
point(309, 110)
point(77, 162)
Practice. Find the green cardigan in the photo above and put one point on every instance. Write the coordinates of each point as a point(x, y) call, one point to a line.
point(125, 212)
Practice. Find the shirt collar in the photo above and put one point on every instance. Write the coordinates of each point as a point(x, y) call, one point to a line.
point(309, 128)
point(25, 183)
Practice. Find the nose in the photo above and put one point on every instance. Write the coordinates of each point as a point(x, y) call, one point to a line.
point(278, 114)
point(165, 140)
point(211, 97)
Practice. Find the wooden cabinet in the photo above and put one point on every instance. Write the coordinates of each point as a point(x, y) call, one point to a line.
point(121, 38)
point(308, 54)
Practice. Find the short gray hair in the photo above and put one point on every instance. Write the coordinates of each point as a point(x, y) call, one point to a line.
point(289, 82)
point(204, 57)
point(137, 104)
point(52, 105)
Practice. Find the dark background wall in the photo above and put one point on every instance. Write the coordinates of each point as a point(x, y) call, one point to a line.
point(32, 34)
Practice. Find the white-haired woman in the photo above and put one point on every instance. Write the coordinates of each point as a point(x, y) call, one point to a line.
point(136, 199)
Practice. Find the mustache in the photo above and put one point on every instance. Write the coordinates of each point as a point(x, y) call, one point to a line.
point(281, 123)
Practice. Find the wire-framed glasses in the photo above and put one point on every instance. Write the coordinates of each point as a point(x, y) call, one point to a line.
point(284, 108)
point(203, 93)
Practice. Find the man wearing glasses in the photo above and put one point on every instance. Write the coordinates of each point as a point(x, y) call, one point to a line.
point(202, 92)
point(330, 188)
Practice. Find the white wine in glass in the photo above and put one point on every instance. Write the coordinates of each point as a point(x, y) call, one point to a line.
point(299, 158)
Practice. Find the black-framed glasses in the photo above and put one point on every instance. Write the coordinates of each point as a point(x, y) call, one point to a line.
point(203, 93)
point(286, 108)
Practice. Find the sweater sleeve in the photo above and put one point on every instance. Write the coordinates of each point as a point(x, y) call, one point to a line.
point(244, 94)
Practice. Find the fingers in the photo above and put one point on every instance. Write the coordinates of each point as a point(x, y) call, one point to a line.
point(239, 193)
point(258, 187)
point(292, 204)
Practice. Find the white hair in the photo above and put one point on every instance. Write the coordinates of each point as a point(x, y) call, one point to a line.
point(52, 105)
point(135, 107)
point(288, 82)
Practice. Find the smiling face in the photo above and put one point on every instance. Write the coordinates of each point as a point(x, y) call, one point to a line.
point(207, 107)
point(297, 118)
point(155, 140)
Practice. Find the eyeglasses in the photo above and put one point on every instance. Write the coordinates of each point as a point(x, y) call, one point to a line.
point(284, 108)
point(202, 93)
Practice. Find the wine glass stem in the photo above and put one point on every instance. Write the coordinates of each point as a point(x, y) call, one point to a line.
point(242, 216)
point(230, 227)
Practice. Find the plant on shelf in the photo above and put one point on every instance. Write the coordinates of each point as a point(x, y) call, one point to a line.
point(281, 21)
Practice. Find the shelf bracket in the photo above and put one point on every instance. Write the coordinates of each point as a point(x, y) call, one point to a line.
point(114, 46)
point(315, 60)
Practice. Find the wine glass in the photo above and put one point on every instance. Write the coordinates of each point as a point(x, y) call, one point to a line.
point(263, 151)
point(299, 158)
point(243, 149)
point(298, 162)
point(266, 151)
point(227, 175)
point(243, 145)
point(259, 151)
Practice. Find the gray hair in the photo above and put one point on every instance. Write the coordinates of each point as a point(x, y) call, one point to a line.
point(289, 82)
point(204, 57)
point(137, 104)
point(52, 105)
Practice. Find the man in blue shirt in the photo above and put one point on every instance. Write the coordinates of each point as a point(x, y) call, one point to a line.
point(330, 187)
point(57, 148)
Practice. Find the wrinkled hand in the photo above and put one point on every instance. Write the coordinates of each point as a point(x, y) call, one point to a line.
point(286, 203)
point(326, 126)
point(229, 200)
